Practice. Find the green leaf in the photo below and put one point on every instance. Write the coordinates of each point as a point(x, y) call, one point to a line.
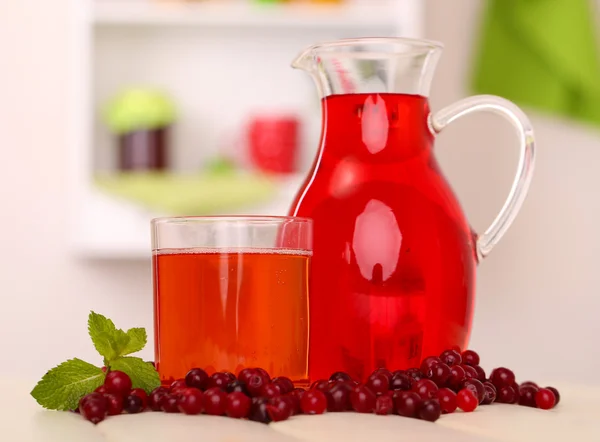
point(137, 341)
point(109, 341)
point(63, 386)
point(143, 374)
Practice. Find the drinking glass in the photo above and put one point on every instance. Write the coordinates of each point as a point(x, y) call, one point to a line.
point(231, 293)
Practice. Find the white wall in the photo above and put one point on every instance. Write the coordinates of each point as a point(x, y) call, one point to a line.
point(536, 303)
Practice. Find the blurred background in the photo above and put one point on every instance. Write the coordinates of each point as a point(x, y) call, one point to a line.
point(116, 111)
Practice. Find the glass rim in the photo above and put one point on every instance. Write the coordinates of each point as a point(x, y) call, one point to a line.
point(250, 219)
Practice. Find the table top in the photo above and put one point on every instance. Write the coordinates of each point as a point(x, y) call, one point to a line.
point(575, 419)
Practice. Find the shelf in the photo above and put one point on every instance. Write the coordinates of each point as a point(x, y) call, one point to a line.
point(233, 14)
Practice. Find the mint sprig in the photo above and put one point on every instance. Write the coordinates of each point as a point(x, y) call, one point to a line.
point(63, 386)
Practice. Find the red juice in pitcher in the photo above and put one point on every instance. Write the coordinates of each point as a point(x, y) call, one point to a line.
point(394, 258)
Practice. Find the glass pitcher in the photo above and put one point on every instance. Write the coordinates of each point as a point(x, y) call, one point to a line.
point(394, 261)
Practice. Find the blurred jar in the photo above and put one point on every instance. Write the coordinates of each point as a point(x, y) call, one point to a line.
point(273, 142)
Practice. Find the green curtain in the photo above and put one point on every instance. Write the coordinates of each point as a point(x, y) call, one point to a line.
point(541, 54)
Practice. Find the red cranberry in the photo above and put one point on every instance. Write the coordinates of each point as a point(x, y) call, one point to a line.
point(506, 395)
point(245, 374)
point(237, 405)
point(556, 394)
point(237, 386)
point(258, 410)
point(529, 384)
point(142, 395)
point(178, 385)
point(407, 403)
point(466, 400)
point(378, 383)
point(255, 384)
point(439, 374)
point(270, 391)
point(196, 378)
point(429, 362)
point(117, 382)
point(297, 394)
point(401, 381)
point(93, 408)
point(447, 399)
point(156, 397)
point(451, 357)
point(101, 389)
point(383, 371)
point(527, 395)
point(264, 374)
point(169, 403)
point(457, 377)
point(340, 376)
point(502, 377)
point(313, 402)
point(384, 405)
point(338, 397)
point(545, 399)
point(279, 409)
point(415, 374)
point(215, 401)
point(430, 410)
point(362, 399)
point(476, 387)
point(285, 384)
point(114, 404)
point(469, 357)
point(219, 380)
point(230, 375)
point(190, 401)
point(321, 385)
point(425, 388)
point(132, 404)
point(490, 393)
point(480, 373)
point(470, 372)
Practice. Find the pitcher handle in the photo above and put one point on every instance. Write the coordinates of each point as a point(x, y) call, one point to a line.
point(520, 185)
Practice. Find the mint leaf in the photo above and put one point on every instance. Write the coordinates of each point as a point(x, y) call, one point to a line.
point(137, 341)
point(143, 374)
point(63, 386)
point(109, 341)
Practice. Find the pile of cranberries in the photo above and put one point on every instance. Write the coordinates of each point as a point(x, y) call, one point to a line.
point(440, 385)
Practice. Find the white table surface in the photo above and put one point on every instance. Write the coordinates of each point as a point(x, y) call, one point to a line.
point(577, 418)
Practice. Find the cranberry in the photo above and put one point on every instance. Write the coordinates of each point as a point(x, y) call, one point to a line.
point(476, 387)
point(401, 381)
point(545, 399)
point(527, 395)
point(456, 348)
point(466, 400)
point(297, 394)
point(470, 372)
point(313, 402)
point(279, 409)
point(506, 395)
point(439, 374)
point(285, 384)
point(219, 380)
point(529, 384)
point(114, 404)
point(258, 410)
point(447, 399)
point(245, 374)
point(407, 403)
point(190, 401)
point(556, 394)
point(237, 386)
point(93, 408)
point(230, 375)
point(383, 371)
point(117, 382)
point(321, 385)
point(430, 410)
point(156, 397)
point(384, 405)
point(338, 396)
point(457, 377)
point(255, 384)
point(294, 402)
point(215, 401)
point(264, 374)
point(451, 357)
point(237, 405)
point(340, 376)
point(425, 388)
point(378, 383)
point(101, 389)
point(429, 362)
point(178, 385)
point(415, 374)
point(398, 372)
point(480, 373)
point(132, 404)
point(270, 391)
point(169, 403)
point(196, 378)
point(362, 399)
point(502, 377)
point(469, 357)
point(490, 393)
point(142, 395)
